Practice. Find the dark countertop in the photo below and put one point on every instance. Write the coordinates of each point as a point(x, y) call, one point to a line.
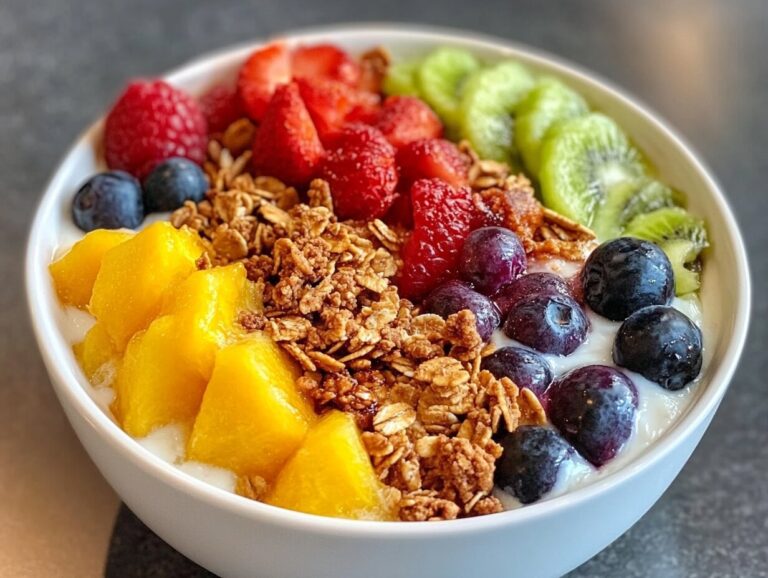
point(701, 64)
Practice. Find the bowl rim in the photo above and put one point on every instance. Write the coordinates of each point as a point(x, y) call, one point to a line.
point(67, 386)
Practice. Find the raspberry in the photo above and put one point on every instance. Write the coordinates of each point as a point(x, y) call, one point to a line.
point(432, 158)
point(150, 122)
point(404, 119)
point(443, 217)
point(360, 169)
point(221, 107)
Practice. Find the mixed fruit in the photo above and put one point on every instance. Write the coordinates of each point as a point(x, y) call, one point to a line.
point(169, 325)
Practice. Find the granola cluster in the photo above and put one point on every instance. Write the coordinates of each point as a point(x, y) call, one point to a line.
point(412, 380)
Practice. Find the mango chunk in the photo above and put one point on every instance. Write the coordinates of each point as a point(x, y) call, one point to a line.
point(252, 417)
point(331, 474)
point(136, 275)
point(74, 273)
point(94, 353)
point(166, 368)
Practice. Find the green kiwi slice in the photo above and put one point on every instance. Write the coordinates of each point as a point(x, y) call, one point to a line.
point(627, 200)
point(488, 103)
point(441, 78)
point(582, 161)
point(401, 79)
point(549, 102)
point(682, 237)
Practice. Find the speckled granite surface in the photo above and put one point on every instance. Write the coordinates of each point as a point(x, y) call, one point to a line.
point(701, 64)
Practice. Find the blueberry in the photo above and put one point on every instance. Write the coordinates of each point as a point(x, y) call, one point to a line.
point(531, 461)
point(110, 200)
point(549, 323)
point(661, 344)
point(171, 183)
point(627, 274)
point(490, 258)
point(594, 408)
point(523, 366)
point(453, 296)
point(528, 285)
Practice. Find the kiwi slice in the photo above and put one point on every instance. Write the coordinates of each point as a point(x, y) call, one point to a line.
point(682, 237)
point(582, 161)
point(441, 78)
point(401, 79)
point(488, 103)
point(627, 200)
point(549, 102)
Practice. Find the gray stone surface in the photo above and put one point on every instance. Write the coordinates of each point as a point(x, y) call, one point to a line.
point(701, 64)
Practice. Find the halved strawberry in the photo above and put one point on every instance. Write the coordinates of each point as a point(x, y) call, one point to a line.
point(432, 158)
point(266, 69)
point(325, 61)
point(329, 103)
point(405, 119)
point(287, 145)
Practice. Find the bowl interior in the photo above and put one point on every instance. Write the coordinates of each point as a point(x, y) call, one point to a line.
point(725, 294)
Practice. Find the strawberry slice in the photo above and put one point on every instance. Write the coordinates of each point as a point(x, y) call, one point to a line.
point(266, 69)
point(329, 103)
point(325, 61)
point(405, 119)
point(432, 158)
point(287, 145)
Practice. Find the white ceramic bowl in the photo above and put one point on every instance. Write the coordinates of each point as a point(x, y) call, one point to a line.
point(233, 536)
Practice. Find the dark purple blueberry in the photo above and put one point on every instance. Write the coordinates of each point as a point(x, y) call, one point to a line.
point(594, 408)
point(549, 323)
point(528, 285)
point(531, 462)
point(523, 366)
point(171, 183)
point(110, 200)
point(491, 257)
point(627, 274)
point(453, 296)
point(661, 344)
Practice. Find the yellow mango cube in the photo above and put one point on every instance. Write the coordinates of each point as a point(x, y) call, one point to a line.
point(74, 273)
point(331, 474)
point(136, 275)
point(155, 386)
point(94, 353)
point(252, 417)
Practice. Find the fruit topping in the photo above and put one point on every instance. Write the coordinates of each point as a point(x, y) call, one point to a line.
point(491, 258)
point(266, 69)
point(453, 296)
point(531, 463)
point(441, 78)
point(360, 169)
point(627, 274)
point(682, 237)
point(524, 367)
point(402, 79)
point(584, 162)
point(547, 322)
point(432, 158)
point(325, 61)
point(531, 284)
point(329, 103)
point(405, 119)
point(150, 122)
point(287, 145)
point(221, 107)
point(443, 216)
point(171, 183)
point(628, 200)
point(594, 408)
point(661, 344)
point(110, 200)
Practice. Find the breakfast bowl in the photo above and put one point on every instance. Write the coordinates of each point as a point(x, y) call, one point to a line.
point(233, 536)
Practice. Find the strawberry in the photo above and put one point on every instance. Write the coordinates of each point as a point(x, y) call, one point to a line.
point(264, 70)
point(360, 169)
point(401, 211)
point(432, 158)
point(221, 107)
point(151, 122)
point(287, 145)
point(443, 217)
point(329, 103)
point(404, 119)
point(325, 61)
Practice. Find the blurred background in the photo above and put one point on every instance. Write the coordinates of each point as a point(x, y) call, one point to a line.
point(700, 64)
